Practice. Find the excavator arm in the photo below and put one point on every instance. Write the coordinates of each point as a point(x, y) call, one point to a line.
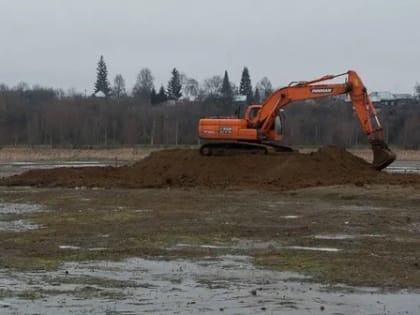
point(363, 107)
point(298, 91)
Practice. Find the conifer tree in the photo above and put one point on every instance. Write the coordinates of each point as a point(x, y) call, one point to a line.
point(174, 86)
point(257, 98)
point(226, 90)
point(153, 97)
point(245, 87)
point(162, 97)
point(102, 83)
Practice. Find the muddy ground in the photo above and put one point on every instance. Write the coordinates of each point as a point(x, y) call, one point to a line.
point(358, 236)
point(351, 226)
point(364, 227)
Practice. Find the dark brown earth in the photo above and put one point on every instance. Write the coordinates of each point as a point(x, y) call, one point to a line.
point(186, 168)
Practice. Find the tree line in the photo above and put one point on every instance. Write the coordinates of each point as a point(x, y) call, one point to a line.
point(40, 117)
point(46, 116)
point(179, 86)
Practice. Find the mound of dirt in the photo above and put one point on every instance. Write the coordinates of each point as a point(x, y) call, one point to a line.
point(186, 168)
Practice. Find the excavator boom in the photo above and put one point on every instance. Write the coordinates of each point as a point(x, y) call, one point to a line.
point(263, 127)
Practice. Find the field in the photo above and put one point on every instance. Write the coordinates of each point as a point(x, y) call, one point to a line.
point(297, 233)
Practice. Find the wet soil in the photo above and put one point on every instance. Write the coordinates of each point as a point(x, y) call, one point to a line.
point(186, 168)
point(281, 230)
point(223, 285)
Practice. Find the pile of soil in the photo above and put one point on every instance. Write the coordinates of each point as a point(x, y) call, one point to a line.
point(186, 168)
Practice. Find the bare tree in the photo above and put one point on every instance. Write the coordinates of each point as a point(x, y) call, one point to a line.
point(22, 86)
point(265, 88)
point(213, 85)
point(190, 88)
point(234, 87)
point(417, 90)
point(119, 86)
point(144, 84)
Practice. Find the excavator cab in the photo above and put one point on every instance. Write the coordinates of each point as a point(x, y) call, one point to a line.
point(279, 123)
point(251, 115)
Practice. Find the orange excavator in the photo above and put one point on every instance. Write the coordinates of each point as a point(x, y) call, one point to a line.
point(261, 130)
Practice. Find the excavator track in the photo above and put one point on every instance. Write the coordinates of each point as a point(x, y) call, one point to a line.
point(232, 148)
point(241, 147)
point(278, 147)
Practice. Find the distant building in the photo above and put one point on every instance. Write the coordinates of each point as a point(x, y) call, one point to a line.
point(403, 98)
point(382, 97)
point(239, 98)
point(341, 97)
point(170, 103)
point(189, 98)
point(99, 94)
point(389, 99)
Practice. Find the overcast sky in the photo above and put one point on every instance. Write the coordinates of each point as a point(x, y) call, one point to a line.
point(58, 42)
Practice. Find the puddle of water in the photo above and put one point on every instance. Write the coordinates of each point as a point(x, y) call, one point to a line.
point(55, 164)
point(397, 169)
point(237, 244)
point(333, 236)
point(358, 208)
point(19, 208)
point(372, 235)
point(143, 210)
point(97, 249)
point(68, 247)
point(14, 168)
point(345, 236)
point(290, 216)
point(18, 226)
point(71, 247)
point(321, 249)
point(201, 246)
point(404, 167)
point(228, 284)
point(250, 244)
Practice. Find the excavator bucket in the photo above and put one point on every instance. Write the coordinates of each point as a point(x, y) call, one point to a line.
point(382, 155)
